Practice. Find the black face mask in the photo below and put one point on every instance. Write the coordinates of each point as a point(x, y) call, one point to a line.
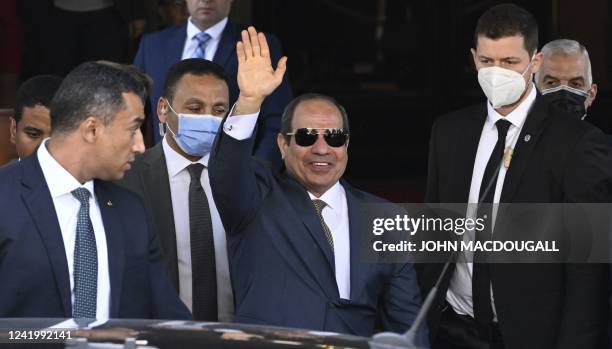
point(568, 99)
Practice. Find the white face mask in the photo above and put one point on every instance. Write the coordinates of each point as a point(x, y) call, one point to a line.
point(502, 86)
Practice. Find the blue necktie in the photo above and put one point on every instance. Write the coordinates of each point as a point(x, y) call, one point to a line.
point(85, 261)
point(202, 40)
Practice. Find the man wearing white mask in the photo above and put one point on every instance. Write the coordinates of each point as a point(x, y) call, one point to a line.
point(515, 148)
point(172, 179)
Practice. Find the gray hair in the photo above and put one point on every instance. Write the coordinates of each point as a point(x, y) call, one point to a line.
point(568, 47)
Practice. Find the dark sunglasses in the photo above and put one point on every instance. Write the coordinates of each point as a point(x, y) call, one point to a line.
point(334, 137)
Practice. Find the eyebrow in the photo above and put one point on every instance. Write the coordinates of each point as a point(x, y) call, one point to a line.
point(501, 59)
point(139, 120)
point(550, 77)
point(31, 128)
point(199, 101)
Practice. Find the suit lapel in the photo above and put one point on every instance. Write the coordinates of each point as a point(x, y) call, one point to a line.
point(40, 205)
point(155, 177)
point(227, 44)
point(175, 43)
point(359, 269)
point(114, 241)
point(463, 163)
point(524, 147)
point(322, 269)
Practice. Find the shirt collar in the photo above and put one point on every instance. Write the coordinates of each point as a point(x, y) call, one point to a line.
point(176, 162)
point(332, 197)
point(214, 31)
point(59, 180)
point(517, 116)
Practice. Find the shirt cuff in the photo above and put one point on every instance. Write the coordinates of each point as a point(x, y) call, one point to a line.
point(240, 127)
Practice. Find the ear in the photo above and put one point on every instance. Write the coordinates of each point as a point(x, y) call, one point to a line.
point(13, 130)
point(536, 62)
point(474, 52)
point(90, 129)
point(282, 144)
point(162, 109)
point(592, 94)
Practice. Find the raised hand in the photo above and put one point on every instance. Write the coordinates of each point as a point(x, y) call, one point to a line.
point(256, 77)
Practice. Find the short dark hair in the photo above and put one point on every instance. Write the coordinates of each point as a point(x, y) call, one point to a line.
point(138, 74)
point(94, 88)
point(194, 66)
point(508, 20)
point(287, 118)
point(38, 90)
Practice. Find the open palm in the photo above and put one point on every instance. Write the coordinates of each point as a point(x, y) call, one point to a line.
point(256, 77)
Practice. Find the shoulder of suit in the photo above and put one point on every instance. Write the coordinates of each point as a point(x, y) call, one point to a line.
point(8, 172)
point(363, 195)
point(461, 115)
point(145, 160)
point(163, 34)
point(568, 125)
point(235, 29)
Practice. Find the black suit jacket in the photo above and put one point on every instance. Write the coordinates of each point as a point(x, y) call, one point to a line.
point(565, 160)
point(149, 179)
point(33, 266)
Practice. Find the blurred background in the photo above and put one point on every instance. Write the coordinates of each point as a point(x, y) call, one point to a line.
point(395, 65)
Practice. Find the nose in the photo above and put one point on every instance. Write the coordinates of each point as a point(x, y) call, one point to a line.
point(320, 147)
point(138, 146)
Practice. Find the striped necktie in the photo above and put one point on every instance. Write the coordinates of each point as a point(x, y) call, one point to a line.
point(202, 39)
point(319, 206)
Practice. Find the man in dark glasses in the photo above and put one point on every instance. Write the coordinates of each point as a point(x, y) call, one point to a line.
point(292, 236)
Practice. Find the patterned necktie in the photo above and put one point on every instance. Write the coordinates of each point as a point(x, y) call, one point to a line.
point(203, 268)
point(481, 278)
point(85, 261)
point(202, 38)
point(319, 206)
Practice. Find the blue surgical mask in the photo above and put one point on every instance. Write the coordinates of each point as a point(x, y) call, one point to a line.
point(196, 132)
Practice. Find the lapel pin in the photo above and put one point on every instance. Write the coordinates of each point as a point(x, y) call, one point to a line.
point(109, 203)
point(527, 138)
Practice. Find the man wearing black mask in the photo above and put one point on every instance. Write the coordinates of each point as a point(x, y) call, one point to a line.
point(565, 77)
point(566, 80)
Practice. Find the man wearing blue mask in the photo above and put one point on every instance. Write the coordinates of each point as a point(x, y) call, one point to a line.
point(515, 148)
point(172, 178)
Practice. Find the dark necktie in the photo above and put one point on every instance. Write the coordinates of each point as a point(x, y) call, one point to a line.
point(481, 278)
point(319, 206)
point(202, 41)
point(85, 261)
point(203, 271)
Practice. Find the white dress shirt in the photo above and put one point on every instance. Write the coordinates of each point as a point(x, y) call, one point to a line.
point(191, 43)
point(335, 213)
point(61, 183)
point(180, 178)
point(459, 294)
